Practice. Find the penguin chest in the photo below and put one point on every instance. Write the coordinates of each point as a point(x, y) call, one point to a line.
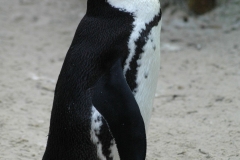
point(148, 66)
point(142, 65)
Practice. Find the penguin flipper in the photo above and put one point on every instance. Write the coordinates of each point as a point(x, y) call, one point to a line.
point(114, 100)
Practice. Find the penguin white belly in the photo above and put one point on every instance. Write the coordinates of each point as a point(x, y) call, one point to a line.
point(147, 74)
point(98, 123)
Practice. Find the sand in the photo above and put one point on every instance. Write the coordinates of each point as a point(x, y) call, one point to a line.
point(196, 112)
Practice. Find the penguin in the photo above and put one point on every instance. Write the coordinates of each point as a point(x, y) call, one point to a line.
point(99, 109)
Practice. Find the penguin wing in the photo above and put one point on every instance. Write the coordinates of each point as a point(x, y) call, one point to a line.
point(114, 100)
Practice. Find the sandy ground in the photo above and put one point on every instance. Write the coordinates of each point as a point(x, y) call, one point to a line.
point(196, 112)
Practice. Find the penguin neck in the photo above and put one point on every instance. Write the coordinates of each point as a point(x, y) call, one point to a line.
point(143, 9)
point(140, 9)
point(99, 8)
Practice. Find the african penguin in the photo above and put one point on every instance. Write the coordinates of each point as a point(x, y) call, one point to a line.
point(99, 110)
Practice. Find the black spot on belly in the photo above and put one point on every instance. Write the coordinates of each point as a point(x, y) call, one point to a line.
point(98, 118)
point(131, 74)
point(154, 47)
point(146, 75)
